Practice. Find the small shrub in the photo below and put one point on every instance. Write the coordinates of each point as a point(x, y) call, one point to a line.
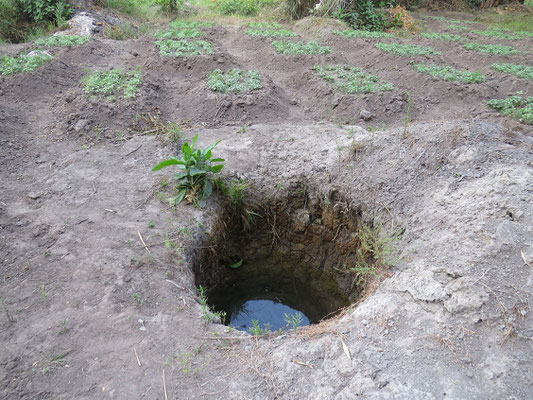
point(365, 15)
point(23, 63)
point(285, 47)
point(54, 11)
point(515, 107)
point(184, 47)
point(170, 7)
point(185, 33)
point(357, 33)
point(62, 41)
point(491, 48)
point(194, 182)
point(443, 36)
point(234, 80)
point(350, 79)
point(520, 71)
point(448, 73)
point(238, 7)
point(406, 49)
point(112, 83)
point(270, 32)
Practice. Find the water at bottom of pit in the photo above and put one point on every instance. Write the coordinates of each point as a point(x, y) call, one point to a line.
point(271, 290)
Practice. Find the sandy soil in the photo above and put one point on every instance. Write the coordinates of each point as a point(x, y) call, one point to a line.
point(88, 310)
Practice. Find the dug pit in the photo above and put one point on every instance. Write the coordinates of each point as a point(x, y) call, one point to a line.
point(282, 262)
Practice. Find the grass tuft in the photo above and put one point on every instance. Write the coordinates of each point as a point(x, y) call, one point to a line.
point(348, 79)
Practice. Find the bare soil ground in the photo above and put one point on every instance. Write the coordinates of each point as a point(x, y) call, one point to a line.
point(88, 310)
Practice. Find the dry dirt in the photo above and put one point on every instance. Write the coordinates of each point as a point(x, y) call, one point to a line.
point(88, 311)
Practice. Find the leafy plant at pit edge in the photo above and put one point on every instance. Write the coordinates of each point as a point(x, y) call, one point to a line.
point(256, 330)
point(194, 183)
point(208, 315)
point(293, 321)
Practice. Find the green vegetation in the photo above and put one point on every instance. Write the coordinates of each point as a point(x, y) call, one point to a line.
point(286, 47)
point(194, 182)
point(443, 36)
point(350, 79)
point(491, 48)
point(256, 330)
point(23, 63)
point(208, 315)
point(184, 47)
point(235, 190)
point(448, 73)
point(515, 107)
point(357, 33)
point(124, 31)
point(62, 41)
point(513, 21)
point(294, 320)
point(179, 33)
point(183, 24)
point(141, 9)
point(520, 71)
point(455, 27)
point(113, 83)
point(405, 49)
point(138, 299)
point(234, 80)
point(264, 25)
point(270, 32)
point(451, 20)
point(238, 7)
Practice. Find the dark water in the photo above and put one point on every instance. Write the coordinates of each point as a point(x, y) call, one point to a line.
point(265, 312)
point(266, 289)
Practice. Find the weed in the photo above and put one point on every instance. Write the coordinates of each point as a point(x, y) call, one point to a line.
point(62, 41)
point(491, 48)
point(235, 189)
point(285, 47)
point(448, 73)
point(184, 47)
point(181, 24)
point(350, 79)
point(112, 83)
point(406, 49)
point(208, 315)
point(4, 307)
point(194, 183)
point(270, 32)
point(234, 80)
point(179, 33)
point(294, 320)
point(357, 33)
point(23, 63)
point(44, 294)
point(256, 330)
point(450, 37)
point(184, 361)
point(63, 327)
point(515, 107)
point(122, 32)
point(138, 299)
point(520, 71)
point(151, 224)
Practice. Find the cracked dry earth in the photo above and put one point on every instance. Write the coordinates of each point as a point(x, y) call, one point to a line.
point(88, 311)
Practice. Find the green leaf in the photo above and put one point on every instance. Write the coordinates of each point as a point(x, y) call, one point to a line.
point(194, 140)
point(180, 175)
point(166, 163)
point(217, 160)
point(208, 189)
point(181, 195)
point(217, 168)
point(196, 171)
point(237, 264)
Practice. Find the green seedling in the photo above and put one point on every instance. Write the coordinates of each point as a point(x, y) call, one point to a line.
point(448, 73)
point(23, 63)
point(44, 294)
point(256, 330)
point(450, 37)
point(491, 48)
point(182, 48)
point(357, 33)
point(235, 80)
point(194, 182)
point(138, 299)
point(515, 107)
point(293, 321)
point(113, 83)
point(285, 47)
point(62, 41)
point(406, 49)
point(270, 32)
point(350, 79)
point(520, 71)
point(186, 33)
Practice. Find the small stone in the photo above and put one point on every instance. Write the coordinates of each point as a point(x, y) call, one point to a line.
point(82, 123)
point(366, 115)
point(34, 196)
point(220, 60)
